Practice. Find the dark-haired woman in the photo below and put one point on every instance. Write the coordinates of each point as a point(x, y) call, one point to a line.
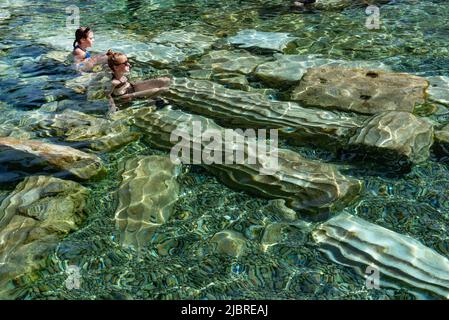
point(84, 39)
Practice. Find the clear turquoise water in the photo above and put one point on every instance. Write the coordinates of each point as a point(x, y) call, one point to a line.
point(179, 262)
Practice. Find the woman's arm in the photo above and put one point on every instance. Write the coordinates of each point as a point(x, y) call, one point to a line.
point(81, 63)
point(112, 107)
point(144, 93)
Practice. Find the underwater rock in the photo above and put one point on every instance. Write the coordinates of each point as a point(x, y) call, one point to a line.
point(360, 90)
point(438, 90)
point(96, 85)
point(229, 242)
point(234, 81)
point(37, 156)
point(286, 70)
point(58, 56)
point(182, 38)
point(442, 135)
point(147, 196)
point(4, 14)
point(442, 140)
point(278, 208)
point(396, 134)
point(401, 260)
point(14, 3)
point(97, 133)
point(306, 185)
point(276, 41)
point(238, 61)
point(89, 107)
point(33, 219)
point(11, 130)
point(255, 110)
point(331, 5)
point(81, 83)
point(159, 54)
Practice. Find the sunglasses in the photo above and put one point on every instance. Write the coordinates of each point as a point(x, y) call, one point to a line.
point(126, 62)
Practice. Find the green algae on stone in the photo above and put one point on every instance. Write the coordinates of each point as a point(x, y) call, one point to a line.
point(33, 219)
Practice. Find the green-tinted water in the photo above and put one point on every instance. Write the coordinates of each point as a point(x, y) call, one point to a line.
point(181, 262)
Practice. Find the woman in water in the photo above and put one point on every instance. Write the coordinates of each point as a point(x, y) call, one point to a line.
point(124, 90)
point(84, 38)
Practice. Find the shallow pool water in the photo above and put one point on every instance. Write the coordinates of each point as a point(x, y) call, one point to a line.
point(180, 261)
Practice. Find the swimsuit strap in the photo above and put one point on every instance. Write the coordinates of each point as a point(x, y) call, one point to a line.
point(85, 51)
point(122, 83)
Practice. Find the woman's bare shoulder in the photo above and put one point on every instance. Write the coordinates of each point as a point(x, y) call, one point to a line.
point(78, 53)
point(115, 82)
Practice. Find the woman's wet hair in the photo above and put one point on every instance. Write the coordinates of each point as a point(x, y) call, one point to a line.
point(81, 33)
point(114, 57)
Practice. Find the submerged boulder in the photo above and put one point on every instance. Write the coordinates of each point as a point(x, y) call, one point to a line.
point(411, 137)
point(311, 186)
point(229, 242)
point(4, 14)
point(147, 196)
point(442, 135)
point(36, 156)
point(438, 90)
point(399, 135)
point(331, 5)
point(58, 56)
point(11, 130)
point(256, 110)
point(33, 219)
point(401, 260)
point(238, 61)
point(360, 90)
point(287, 70)
point(183, 38)
point(95, 133)
point(442, 140)
point(250, 38)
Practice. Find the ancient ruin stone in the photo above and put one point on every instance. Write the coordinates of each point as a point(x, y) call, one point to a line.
point(277, 41)
point(147, 196)
point(36, 156)
point(360, 90)
point(398, 134)
point(401, 260)
point(33, 219)
point(287, 70)
point(305, 185)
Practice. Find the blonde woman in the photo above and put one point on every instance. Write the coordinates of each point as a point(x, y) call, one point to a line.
point(124, 90)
